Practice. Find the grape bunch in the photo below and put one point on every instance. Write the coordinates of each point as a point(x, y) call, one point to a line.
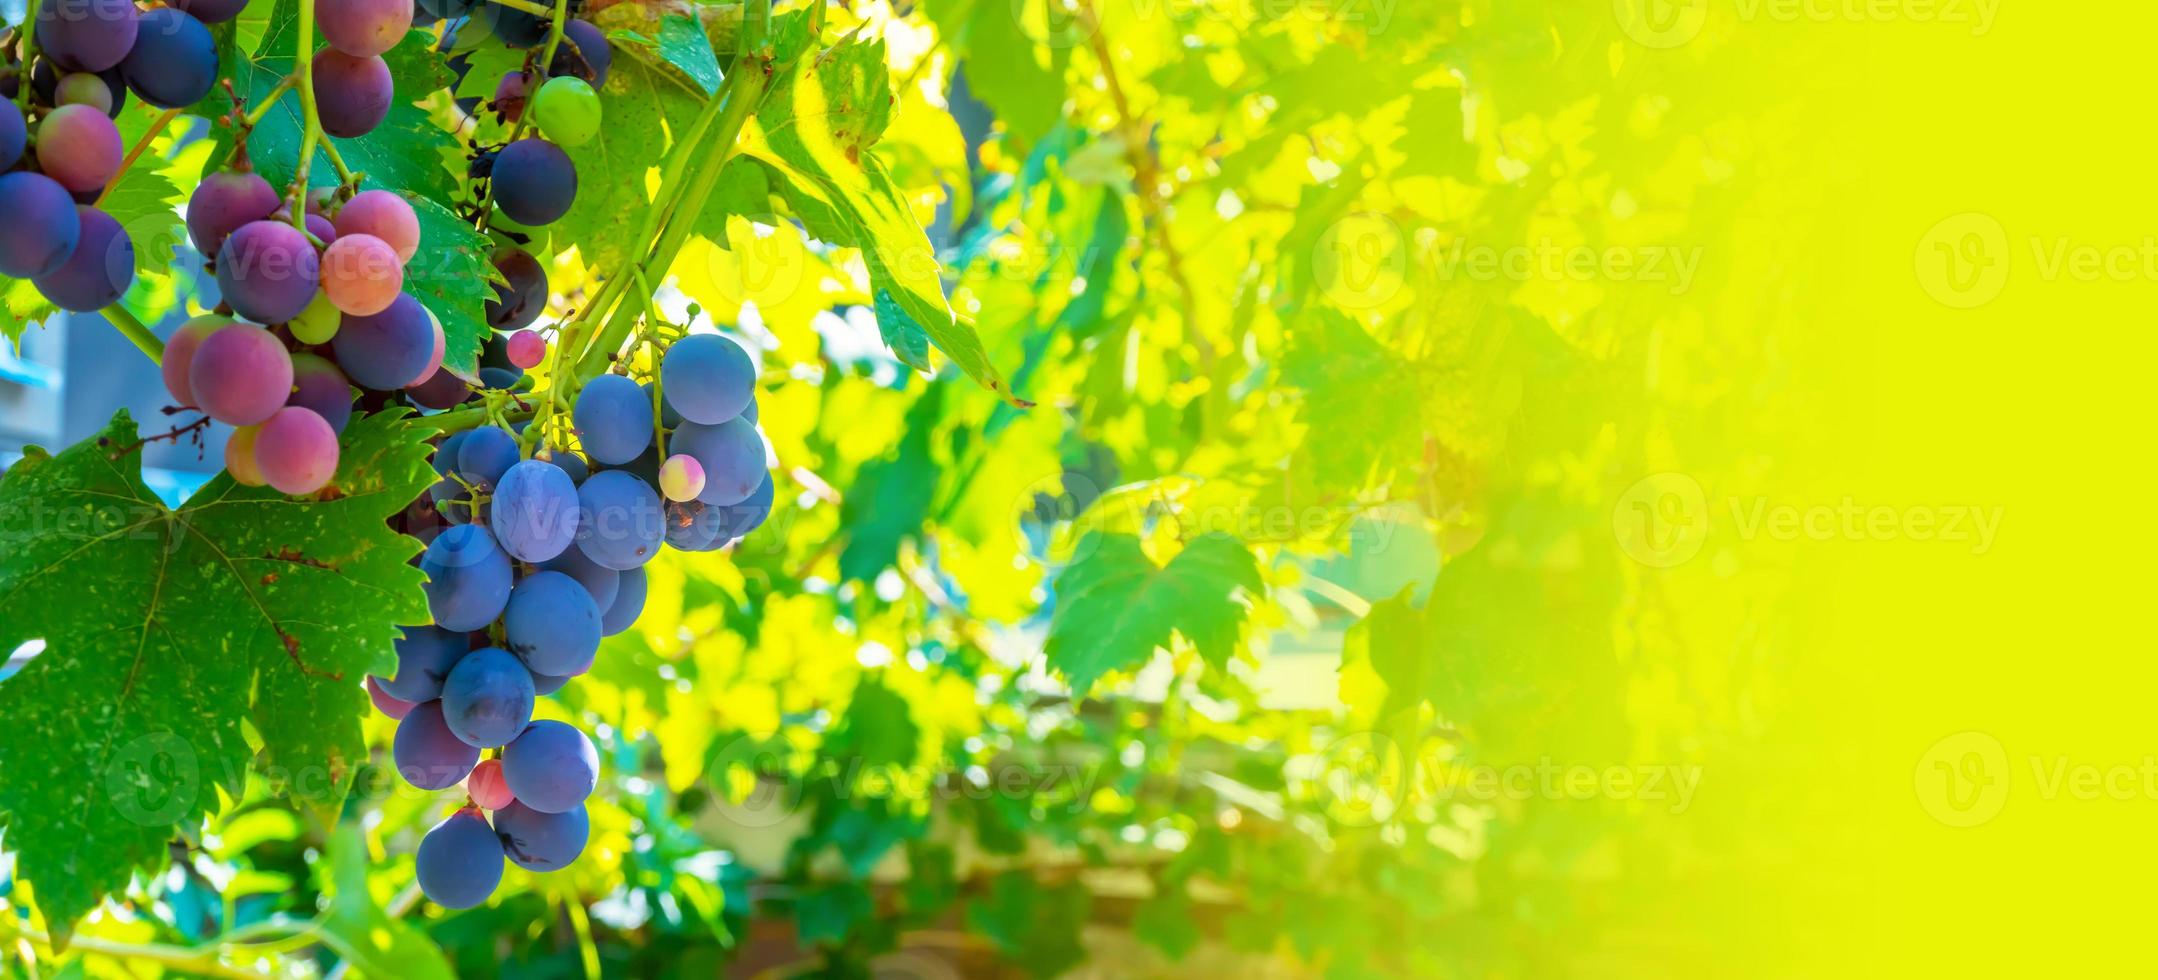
point(532, 559)
point(59, 148)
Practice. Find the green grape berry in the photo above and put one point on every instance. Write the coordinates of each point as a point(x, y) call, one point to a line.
point(84, 88)
point(318, 322)
point(567, 111)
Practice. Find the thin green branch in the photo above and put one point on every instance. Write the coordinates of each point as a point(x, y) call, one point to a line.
point(29, 54)
point(156, 128)
point(134, 331)
point(303, 60)
point(270, 101)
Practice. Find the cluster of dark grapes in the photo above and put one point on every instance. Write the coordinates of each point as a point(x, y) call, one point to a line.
point(59, 148)
point(530, 562)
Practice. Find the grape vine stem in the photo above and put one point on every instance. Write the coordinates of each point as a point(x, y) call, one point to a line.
point(29, 52)
point(261, 109)
point(131, 328)
point(303, 59)
point(135, 154)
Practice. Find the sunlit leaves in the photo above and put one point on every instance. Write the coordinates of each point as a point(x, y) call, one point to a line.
point(1115, 607)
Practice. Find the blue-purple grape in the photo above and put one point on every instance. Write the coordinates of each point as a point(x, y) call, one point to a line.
point(538, 841)
point(552, 624)
point(737, 520)
point(614, 419)
point(487, 455)
point(522, 297)
point(582, 41)
point(707, 378)
point(317, 385)
point(384, 351)
point(620, 524)
point(532, 180)
point(212, 11)
point(468, 578)
point(427, 753)
point(732, 454)
point(268, 272)
point(100, 269)
point(86, 35)
point(487, 699)
point(14, 135)
point(627, 606)
point(535, 513)
point(459, 862)
point(425, 655)
point(352, 95)
point(599, 581)
point(223, 202)
point(42, 226)
point(174, 60)
point(552, 767)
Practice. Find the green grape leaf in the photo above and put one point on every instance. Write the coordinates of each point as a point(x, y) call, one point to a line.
point(374, 942)
point(407, 154)
point(682, 53)
point(168, 630)
point(1115, 606)
point(1037, 926)
point(611, 199)
point(144, 201)
point(1165, 922)
point(901, 333)
point(22, 307)
point(891, 497)
point(818, 123)
point(1007, 70)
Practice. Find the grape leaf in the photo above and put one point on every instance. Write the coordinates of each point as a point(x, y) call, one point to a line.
point(901, 333)
point(682, 53)
point(406, 154)
point(166, 630)
point(1115, 607)
point(611, 199)
point(1005, 68)
point(1036, 925)
point(818, 124)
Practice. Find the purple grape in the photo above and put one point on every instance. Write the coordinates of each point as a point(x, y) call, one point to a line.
point(546, 684)
point(707, 378)
point(628, 604)
point(538, 841)
point(427, 753)
point(487, 699)
point(174, 60)
point(533, 181)
point(614, 419)
point(599, 581)
point(732, 454)
point(486, 456)
point(582, 41)
point(441, 390)
point(240, 375)
point(100, 269)
point(212, 11)
point(352, 95)
point(620, 524)
point(363, 28)
point(222, 203)
point(535, 514)
point(460, 861)
point(571, 464)
point(552, 624)
point(180, 355)
point(515, 27)
point(425, 655)
point(384, 351)
point(524, 297)
point(468, 578)
point(268, 272)
point(86, 35)
point(551, 768)
point(692, 526)
point(14, 135)
point(296, 451)
point(318, 386)
point(737, 520)
point(79, 146)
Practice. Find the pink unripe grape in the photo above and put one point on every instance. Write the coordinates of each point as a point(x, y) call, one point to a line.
point(296, 451)
point(79, 146)
point(510, 94)
point(434, 360)
point(487, 787)
point(240, 375)
point(180, 355)
point(386, 704)
point(363, 28)
point(526, 349)
point(681, 478)
point(240, 456)
point(322, 229)
point(385, 216)
point(361, 274)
